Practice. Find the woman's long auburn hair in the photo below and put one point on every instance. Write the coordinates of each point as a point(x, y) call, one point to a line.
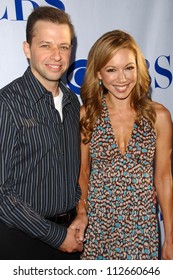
point(91, 92)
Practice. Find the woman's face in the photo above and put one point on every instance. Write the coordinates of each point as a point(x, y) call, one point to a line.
point(119, 75)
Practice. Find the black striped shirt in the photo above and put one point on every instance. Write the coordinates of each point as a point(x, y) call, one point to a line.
point(39, 158)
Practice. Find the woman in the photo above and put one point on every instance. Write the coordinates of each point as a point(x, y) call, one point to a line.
point(124, 134)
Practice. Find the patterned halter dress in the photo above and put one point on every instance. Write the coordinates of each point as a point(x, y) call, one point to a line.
point(123, 221)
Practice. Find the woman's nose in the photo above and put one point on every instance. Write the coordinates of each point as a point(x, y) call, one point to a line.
point(121, 77)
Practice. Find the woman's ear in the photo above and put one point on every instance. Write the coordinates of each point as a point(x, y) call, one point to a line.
point(99, 75)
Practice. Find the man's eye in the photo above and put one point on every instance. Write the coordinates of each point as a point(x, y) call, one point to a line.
point(44, 46)
point(64, 48)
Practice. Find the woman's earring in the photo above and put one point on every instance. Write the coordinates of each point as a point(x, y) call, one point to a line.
point(101, 88)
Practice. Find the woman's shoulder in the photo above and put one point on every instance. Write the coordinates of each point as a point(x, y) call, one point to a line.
point(163, 116)
point(161, 110)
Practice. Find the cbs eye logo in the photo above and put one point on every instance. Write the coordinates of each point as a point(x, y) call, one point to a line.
point(75, 75)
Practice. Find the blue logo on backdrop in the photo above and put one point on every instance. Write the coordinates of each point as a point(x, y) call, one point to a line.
point(162, 71)
point(19, 9)
point(75, 75)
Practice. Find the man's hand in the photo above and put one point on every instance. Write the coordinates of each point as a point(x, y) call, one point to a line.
point(70, 244)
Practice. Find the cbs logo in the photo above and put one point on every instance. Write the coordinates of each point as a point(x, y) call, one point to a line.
point(75, 75)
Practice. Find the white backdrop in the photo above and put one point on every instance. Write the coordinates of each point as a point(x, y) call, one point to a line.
point(150, 22)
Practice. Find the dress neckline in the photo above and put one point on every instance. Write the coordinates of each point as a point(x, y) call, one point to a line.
point(114, 135)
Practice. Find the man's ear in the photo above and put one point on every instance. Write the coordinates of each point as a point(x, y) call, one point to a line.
point(26, 49)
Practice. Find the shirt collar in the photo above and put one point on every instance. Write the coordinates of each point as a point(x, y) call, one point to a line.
point(35, 90)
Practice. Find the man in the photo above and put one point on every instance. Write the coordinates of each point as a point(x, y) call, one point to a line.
point(39, 149)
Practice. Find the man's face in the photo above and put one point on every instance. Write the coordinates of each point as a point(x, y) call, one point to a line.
point(49, 52)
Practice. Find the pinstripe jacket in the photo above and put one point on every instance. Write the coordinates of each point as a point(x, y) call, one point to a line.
point(39, 158)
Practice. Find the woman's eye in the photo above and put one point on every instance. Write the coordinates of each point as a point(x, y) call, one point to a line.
point(130, 68)
point(111, 70)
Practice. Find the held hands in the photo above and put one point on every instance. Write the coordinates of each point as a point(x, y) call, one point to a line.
point(81, 221)
point(79, 225)
point(75, 234)
point(70, 245)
